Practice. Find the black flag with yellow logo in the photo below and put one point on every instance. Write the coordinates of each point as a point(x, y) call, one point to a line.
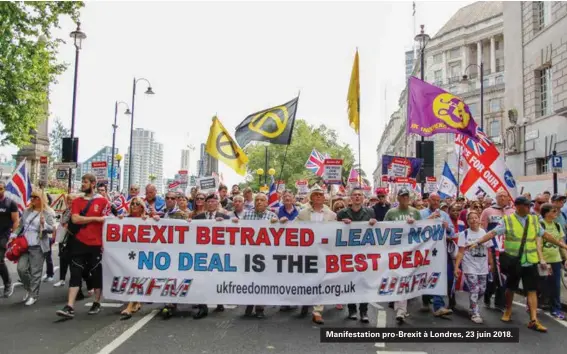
point(273, 125)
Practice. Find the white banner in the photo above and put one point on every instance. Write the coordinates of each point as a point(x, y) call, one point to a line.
point(253, 262)
point(207, 184)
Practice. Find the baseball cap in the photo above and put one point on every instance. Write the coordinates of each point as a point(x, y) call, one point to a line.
point(211, 196)
point(403, 191)
point(557, 197)
point(521, 200)
point(381, 191)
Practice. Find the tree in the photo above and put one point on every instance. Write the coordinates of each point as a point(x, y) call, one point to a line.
point(29, 63)
point(152, 178)
point(56, 136)
point(305, 138)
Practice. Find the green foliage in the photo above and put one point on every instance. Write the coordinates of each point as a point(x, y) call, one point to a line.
point(305, 138)
point(29, 63)
point(56, 136)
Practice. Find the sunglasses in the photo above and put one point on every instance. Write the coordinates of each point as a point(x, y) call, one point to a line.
point(199, 198)
point(34, 197)
point(171, 198)
point(136, 204)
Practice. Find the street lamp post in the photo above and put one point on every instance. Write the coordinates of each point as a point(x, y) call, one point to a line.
point(78, 37)
point(260, 172)
point(422, 38)
point(114, 127)
point(118, 158)
point(465, 79)
point(149, 91)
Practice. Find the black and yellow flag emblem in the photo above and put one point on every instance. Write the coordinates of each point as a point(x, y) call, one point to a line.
point(273, 125)
point(222, 147)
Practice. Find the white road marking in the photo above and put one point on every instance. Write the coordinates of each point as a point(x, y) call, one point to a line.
point(112, 346)
point(106, 304)
point(376, 305)
point(380, 323)
point(228, 307)
point(563, 323)
point(401, 352)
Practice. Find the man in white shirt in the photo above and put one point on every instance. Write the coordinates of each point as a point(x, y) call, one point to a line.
point(237, 206)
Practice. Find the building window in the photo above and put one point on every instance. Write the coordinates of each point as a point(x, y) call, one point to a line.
point(437, 58)
point(499, 65)
point(438, 77)
point(455, 53)
point(496, 45)
point(499, 79)
point(473, 107)
point(494, 129)
point(542, 14)
point(495, 105)
point(545, 91)
point(542, 166)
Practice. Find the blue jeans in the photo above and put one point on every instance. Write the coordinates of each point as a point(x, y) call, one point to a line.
point(439, 301)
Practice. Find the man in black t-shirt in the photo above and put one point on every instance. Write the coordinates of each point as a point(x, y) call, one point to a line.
point(9, 221)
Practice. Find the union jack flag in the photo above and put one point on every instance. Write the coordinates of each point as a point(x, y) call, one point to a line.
point(19, 188)
point(120, 204)
point(273, 200)
point(315, 163)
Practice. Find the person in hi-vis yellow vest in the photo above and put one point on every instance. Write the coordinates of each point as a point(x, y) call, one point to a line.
point(512, 228)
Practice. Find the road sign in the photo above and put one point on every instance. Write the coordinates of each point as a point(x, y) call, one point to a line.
point(43, 169)
point(100, 170)
point(557, 164)
point(64, 165)
point(62, 174)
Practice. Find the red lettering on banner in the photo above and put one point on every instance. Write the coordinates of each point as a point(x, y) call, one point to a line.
point(144, 233)
point(128, 233)
point(218, 236)
point(307, 237)
point(181, 230)
point(348, 263)
point(408, 259)
point(263, 238)
point(232, 234)
point(247, 234)
point(394, 260)
point(112, 233)
point(203, 237)
point(159, 235)
point(331, 262)
point(277, 235)
point(291, 237)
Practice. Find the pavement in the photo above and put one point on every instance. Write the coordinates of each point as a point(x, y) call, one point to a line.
point(37, 329)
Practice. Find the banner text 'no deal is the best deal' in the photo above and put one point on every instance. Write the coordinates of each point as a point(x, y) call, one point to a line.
point(255, 262)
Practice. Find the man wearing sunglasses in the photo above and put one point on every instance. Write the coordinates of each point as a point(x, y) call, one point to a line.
point(9, 221)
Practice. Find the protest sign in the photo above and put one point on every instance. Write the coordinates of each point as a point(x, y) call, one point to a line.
point(333, 171)
point(100, 170)
point(207, 184)
point(302, 186)
point(254, 262)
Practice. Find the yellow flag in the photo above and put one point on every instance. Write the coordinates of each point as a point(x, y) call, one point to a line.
point(222, 147)
point(353, 97)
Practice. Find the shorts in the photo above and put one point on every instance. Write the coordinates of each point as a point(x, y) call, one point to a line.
point(528, 275)
point(85, 263)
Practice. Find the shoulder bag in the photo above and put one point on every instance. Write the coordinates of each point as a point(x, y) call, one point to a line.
point(512, 264)
point(72, 228)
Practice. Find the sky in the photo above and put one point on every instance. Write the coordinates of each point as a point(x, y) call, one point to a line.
point(233, 59)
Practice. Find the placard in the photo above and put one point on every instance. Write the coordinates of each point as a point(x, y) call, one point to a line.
point(44, 169)
point(333, 171)
point(207, 184)
point(100, 170)
point(255, 262)
point(430, 185)
point(302, 186)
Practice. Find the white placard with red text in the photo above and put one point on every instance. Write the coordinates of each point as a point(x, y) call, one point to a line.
point(100, 170)
point(333, 172)
point(431, 185)
point(211, 262)
point(302, 186)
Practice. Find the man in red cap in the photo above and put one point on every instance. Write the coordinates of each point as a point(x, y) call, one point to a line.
point(382, 207)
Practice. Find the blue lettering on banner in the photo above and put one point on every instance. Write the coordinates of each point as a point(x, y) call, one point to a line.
point(147, 260)
point(424, 234)
point(372, 236)
point(163, 260)
point(200, 262)
point(354, 237)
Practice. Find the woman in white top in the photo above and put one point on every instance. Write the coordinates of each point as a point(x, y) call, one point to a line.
point(37, 224)
point(475, 262)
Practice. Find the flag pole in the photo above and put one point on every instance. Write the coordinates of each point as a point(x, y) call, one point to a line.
point(289, 142)
point(358, 107)
point(459, 172)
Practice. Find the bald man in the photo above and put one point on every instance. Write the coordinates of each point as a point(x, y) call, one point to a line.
point(154, 203)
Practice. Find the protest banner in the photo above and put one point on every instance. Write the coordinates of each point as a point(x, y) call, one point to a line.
point(398, 166)
point(254, 262)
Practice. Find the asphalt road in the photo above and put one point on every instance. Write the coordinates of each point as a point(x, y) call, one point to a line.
point(37, 329)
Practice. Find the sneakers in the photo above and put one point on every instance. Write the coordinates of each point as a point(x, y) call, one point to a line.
point(317, 318)
point(442, 312)
point(66, 312)
point(26, 296)
point(30, 301)
point(352, 315)
point(59, 284)
point(536, 326)
point(95, 308)
point(364, 317)
point(8, 290)
point(558, 315)
point(476, 319)
point(45, 278)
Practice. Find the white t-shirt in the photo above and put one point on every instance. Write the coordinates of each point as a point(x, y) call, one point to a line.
point(475, 260)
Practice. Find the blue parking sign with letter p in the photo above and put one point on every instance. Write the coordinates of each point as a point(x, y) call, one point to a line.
point(556, 162)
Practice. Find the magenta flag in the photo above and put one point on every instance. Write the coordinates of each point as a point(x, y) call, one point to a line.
point(432, 110)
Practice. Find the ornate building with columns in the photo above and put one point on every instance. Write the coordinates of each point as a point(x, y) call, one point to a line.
point(472, 36)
